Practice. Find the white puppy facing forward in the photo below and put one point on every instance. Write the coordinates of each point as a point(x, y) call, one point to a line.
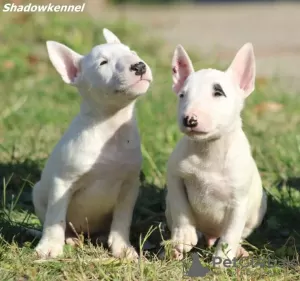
point(214, 186)
point(91, 179)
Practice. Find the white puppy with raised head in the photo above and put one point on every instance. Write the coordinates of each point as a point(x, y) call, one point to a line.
point(214, 186)
point(91, 179)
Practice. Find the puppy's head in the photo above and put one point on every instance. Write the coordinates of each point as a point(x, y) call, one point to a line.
point(110, 73)
point(210, 101)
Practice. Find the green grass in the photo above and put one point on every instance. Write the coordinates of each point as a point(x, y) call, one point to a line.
point(35, 109)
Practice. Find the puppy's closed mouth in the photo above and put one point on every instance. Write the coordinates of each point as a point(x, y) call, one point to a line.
point(191, 132)
point(141, 80)
point(128, 88)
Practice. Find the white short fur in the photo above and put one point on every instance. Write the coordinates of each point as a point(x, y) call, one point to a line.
point(91, 179)
point(213, 182)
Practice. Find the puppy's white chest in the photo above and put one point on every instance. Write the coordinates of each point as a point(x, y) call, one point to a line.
point(208, 192)
point(206, 181)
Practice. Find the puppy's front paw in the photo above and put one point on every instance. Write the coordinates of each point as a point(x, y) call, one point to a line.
point(184, 238)
point(242, 253)
point(73, 241)
point(49, 249)
point(122, 249)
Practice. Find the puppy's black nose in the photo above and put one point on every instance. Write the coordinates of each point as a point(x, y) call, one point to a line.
point(190, 121)
point(139, 68)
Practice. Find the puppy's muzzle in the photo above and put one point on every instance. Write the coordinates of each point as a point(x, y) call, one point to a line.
point(139, 68)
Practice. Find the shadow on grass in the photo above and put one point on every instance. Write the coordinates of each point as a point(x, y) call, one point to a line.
point(17, 179)
point(279, 225)
point(149, 210)
point(149, 215)
point(280, 230)
point(291, 182)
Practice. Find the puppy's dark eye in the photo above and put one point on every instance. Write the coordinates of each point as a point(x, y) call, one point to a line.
point(103, 62)
point(218, 91)
point(218, 94)
point(181, 95)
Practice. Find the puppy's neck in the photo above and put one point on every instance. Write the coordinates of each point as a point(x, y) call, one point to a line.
point(112, 113)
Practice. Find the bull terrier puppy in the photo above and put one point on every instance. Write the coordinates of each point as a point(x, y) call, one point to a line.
point(91, 179)
point(214, 186)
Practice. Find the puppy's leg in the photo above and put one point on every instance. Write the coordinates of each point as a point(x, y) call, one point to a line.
point(39, 199)
point(253, 222)
point(256, 216)
point(53, 238)
point(118, 239)
point(180, 218)
point(233, 229)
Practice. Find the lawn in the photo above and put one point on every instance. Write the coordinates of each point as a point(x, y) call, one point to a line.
point(35, 109)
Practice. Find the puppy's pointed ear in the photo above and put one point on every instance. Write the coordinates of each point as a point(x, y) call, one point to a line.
point(243, 69)
point(182, 67)
point(65, 61)
point(110, 37)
